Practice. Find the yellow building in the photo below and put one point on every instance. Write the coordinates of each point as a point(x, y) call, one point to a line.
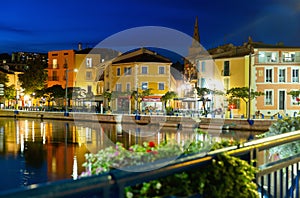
point(232, 64)
point(138, 70)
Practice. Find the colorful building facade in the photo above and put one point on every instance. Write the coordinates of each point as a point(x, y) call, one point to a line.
point(137, 71)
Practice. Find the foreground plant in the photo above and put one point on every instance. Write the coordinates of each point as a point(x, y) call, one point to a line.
point(226, 176)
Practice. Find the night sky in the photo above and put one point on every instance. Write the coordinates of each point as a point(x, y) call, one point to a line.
point(42, 26)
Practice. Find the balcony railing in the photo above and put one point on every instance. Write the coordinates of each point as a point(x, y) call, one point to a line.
point(53, 78)
point(53, 66)
point(225, 73)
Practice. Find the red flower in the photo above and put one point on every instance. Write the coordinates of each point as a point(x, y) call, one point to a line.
point(151, 144)
point(298, 99)
point(148, 151)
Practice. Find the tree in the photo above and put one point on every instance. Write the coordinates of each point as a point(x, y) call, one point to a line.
point(34, 76)
point(202, 92)
point(243, 93)
point(108, 96)
point(167, 97)
point(51, 93)
point(138, 96)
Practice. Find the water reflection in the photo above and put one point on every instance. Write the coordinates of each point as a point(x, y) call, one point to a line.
point(34, 151)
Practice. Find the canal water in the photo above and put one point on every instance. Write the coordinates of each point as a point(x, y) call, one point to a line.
point(34, 151)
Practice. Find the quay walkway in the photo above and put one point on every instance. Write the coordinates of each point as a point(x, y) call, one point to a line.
point(162, 120)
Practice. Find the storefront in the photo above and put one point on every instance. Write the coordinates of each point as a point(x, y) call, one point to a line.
point(152, 104)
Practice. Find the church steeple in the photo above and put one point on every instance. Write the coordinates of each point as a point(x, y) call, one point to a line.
point(196, 36)
point(195, 49)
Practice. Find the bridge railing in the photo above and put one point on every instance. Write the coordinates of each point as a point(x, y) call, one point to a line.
point(277, 178)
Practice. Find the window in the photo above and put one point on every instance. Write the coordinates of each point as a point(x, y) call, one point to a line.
point(88, 62)
point(226, 83)
point(269, 74)
point(54, 64)
point(89, 88)
point(127, 70)
point(118, 87)
point(288, 56)
point(161, 70)
point(268, 57)
point(144, 70)
point(226, 70)
point(54, 77)
point(144, 85)
point(161, 86)
point(203, 83)
point(281, 75)
point(118, 71)
point(268, 97)
point(198, 66)
point(128, 87)
point(295, 75)
point(88, 75)
point(203, 67)
point(66, 53)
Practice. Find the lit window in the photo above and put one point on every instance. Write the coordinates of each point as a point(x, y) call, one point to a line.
point(144, 85)
point(281, 75)
point(269, 97)
point(295, 75)
point(54, 64)
point(288, 56)
point(127, 70)
point(88, 62)
point(269, 73)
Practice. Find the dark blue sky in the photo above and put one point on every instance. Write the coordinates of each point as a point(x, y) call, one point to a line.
point(41, 26)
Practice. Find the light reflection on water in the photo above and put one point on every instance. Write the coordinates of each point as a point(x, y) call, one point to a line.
point(33, 151)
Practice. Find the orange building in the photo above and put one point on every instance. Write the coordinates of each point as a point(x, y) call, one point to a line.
point(58, 63)
point(276, 71)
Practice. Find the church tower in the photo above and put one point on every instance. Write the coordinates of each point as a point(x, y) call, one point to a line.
point(195, 49)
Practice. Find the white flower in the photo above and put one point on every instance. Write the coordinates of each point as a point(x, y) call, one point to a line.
point(129, 195)
point(158, 185)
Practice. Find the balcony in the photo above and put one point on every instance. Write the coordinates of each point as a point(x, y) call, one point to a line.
point(53, 66)
point(225, 73)
point(53, 78)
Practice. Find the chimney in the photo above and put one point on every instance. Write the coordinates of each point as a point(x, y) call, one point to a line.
point(79, 46)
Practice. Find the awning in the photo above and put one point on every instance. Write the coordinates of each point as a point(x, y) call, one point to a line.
point(152, 99)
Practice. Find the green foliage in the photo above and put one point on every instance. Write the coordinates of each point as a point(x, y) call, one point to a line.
point(10, 92)
point(34, 78)
point(285, 125)
point(140, 94)
point(168, 96)
point(294, 93)
point(227, 176)
point(243, 93)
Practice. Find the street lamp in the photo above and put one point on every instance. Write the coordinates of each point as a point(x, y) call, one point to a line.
point(66, 94)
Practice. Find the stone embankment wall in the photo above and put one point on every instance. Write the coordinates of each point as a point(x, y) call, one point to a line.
point(164, 121)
